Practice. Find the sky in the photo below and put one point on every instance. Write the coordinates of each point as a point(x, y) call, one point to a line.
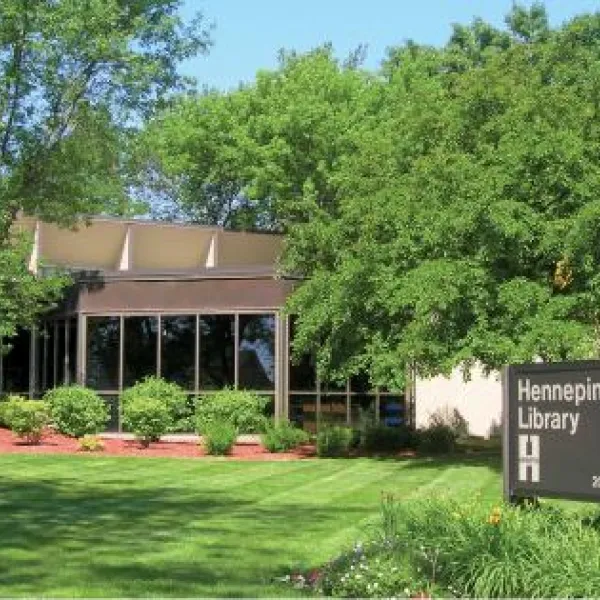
point(248, 33)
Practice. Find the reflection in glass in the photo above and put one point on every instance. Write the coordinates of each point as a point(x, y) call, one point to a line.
point(102, 353)
point(15, 365)
point(360, 383)
point(140, 345)
point(72, 351)
point(391, 410)
point(303, 374)
point(49, 362)
point(217, 351)
point(61, 344)
point(303, 412)
point(113, 412)
point(333, 409)
point(39, 360)
point(257, 352)
point(362, 409)
point(178, 350)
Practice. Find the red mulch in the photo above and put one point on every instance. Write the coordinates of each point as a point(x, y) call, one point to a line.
point(55, 443)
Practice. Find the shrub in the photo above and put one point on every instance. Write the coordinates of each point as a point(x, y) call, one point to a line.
point(283, 436)
point(442, 547)
point(27, 418)
point(334, 441)
point(478, 551)
point(147, 418)
point(76, 411)
point(172, 395)
point(450, 418)
point(219, 437)
point(384, 439)
point(244, 410)
point(437, 439)
point(91, 443)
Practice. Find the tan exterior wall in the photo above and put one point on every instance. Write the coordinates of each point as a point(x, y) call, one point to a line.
point(479, 400)
point(96, 247)
point(169, 247)
point(243, 249)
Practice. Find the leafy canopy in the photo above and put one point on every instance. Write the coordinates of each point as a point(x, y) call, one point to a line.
point(76, 76)
point(441, 210)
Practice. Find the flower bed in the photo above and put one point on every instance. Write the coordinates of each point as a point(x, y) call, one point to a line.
point(55, 443)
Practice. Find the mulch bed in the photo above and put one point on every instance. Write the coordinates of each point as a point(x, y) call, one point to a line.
point(55, 443)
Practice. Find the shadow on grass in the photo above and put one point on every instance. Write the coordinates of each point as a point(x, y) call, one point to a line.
point(72, 539)
point(491, 460)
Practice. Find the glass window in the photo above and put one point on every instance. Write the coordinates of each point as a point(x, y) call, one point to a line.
point(40, 357)
point(217, 351)
point(15, 365)
point(61, 348)
point(178, 350)
point(333, 409)
point(257, 352)
point(50, 352)
point(391, 410)
point(72, 350)
point(303, 411)
point(140, 345)
point(362, 409)
point(303, 374)
point(113, 412)
point(360, 383)
point(102, 353)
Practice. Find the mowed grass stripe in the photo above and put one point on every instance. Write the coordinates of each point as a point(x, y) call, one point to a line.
point(101, 526)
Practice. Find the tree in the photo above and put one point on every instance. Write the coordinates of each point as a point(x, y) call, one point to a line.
point(268, 153)
point(75, 77)
point(468, 225)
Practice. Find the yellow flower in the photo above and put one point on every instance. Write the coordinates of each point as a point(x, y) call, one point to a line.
point(494, 519)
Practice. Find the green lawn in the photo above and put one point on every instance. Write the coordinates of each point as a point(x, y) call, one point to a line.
point(106, 526)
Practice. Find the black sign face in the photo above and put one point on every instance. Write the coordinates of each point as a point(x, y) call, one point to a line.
point(552, 430)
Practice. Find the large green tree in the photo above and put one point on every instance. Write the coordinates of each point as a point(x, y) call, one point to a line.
point(267, 154)
point(442, 210)
point(469, 217)
point(76, 78)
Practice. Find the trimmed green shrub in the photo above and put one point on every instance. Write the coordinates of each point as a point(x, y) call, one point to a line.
point(244, 410)
point(76, 410)
point(283, 436)
point(146, 418)
point(437, 439)
point(380, 438)
point(219, 437)
point(91, 443)
point(172, 395)
point(27, 418)
point(334, 441)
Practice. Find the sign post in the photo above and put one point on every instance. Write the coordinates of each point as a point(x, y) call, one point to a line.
point(551, 442)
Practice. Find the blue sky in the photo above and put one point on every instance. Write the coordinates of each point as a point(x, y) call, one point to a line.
point(248, 33)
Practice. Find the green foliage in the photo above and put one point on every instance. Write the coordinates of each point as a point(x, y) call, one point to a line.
point(334, 441)
point(76, 410)
point(74, 76)
point(219, 437)
point(91, 443)
point(147, 418)
point(477, 551)
point(467, 174)
point(437, 439)
point(171, 394)
point(244, 410)
point(379, 438)
point(27, 418)
point(442, 547)
point(283, 436)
